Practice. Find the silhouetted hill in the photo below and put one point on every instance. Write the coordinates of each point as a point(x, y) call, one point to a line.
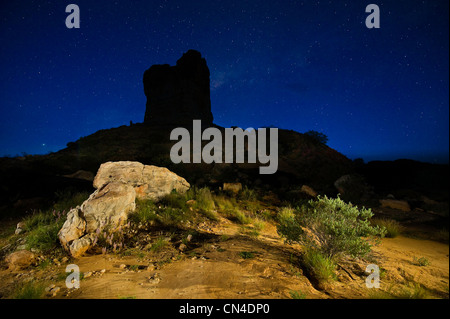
point(405, 178)
point(302, 160)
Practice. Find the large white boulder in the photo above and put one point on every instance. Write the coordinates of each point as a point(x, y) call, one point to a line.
point(118, 185)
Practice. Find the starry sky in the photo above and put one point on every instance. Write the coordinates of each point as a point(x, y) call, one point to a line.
point(378, 94)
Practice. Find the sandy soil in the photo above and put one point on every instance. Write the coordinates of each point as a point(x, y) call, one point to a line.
point(215, 268)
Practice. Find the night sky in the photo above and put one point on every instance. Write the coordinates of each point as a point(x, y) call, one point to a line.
point(301, 65)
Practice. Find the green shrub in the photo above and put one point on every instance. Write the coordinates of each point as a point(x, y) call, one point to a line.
point(248, 194)
point(44, 237)
point(159, 244)
point(329, 225)
point(422, 261)
point(223, 203)
point(247, 254)
point(38, 219)
point(414, 291)
point(145, 212)
point(297, 294)
point(174, 200)
point(258, 224)
point(411, 291)
point(393, 228)
point(42, 229)
point(30, 290)
point(171, 216)
point(288, 225)
point(204, 200)
point(210, 214)
point(237, 216)
point(320, 266)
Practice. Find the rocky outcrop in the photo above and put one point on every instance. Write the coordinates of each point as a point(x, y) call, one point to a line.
point(149, 182)
point(396, 204)
point(105, 210)
point(176, 95)
point(118, 185)
point(353, 188)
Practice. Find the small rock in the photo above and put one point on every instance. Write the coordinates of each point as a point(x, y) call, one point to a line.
point(20, 259)
point(49, 288)
point(189, 238)
point(64, 260)
point(102, 271)
point(155, 279)
point(88, 274)
point(19, 228)
point(308, 190)
point(20, 225)
point(55, 291)
point(123, 266)
point(191, 202)
point(182, 247)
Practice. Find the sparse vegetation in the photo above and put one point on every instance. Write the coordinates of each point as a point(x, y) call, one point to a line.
point(29, 290)
point(392, 227)
point(297, 294)
point(145, 212)
point(238, 216)
point(412, 290)
point(320, 266)
point(204, 200)
point(247, 254)
point(248, 194)
point(327, 228)
point(159, 244)
point(44, 237)
point(421, 262)
point(42, 227)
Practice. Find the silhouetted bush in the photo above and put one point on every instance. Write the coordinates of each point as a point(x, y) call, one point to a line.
point(319, 137)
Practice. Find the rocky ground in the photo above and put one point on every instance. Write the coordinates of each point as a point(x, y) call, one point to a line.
point(223, 259)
